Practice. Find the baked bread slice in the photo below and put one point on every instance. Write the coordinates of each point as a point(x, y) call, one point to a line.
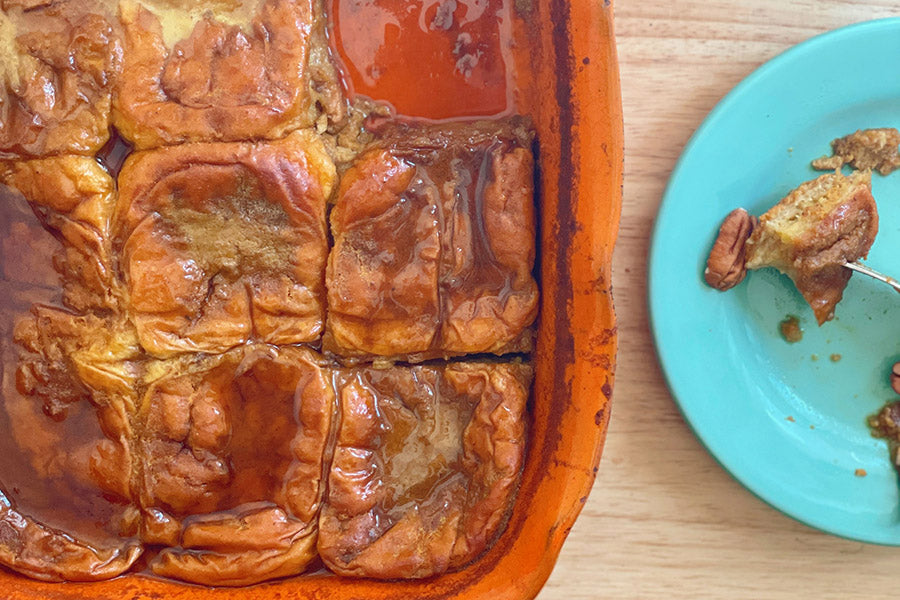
point(58, 63)
point(813, 231)
point(434, 253)
point(224, 243)
point(426, 463)
point(224, 71)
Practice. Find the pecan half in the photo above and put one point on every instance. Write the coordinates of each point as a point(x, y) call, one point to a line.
point(895, 377)
point(725, 267)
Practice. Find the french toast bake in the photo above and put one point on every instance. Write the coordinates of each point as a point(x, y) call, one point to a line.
point(248, 331)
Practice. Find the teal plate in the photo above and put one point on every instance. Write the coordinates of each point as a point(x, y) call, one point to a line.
point(786, 420)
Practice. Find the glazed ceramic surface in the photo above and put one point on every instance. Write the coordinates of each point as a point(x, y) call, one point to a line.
point(787, 420)
point(567, 79)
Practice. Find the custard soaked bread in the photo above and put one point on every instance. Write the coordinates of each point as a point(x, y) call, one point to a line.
point(815, 230)
point(231, 455)
point(426, 463)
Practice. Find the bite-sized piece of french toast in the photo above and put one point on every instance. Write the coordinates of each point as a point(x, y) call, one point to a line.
point(434, 244)
point(813, 232)
point(231, 457)
point(221, 70)
point(222, 244)
point(58, 63)
point(426, 464)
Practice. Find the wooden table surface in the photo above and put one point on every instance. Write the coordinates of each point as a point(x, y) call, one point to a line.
point(664, 520)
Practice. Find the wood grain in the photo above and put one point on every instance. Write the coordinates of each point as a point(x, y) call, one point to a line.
point(664, 520)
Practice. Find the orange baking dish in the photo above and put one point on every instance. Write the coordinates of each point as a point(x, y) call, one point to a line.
point(564, 75)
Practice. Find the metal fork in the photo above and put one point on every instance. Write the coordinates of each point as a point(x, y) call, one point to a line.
point(865, 270)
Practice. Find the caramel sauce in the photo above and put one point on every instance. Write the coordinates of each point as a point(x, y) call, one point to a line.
point(114, 153)
point(47, 474)
point(433, 59)
point(467, 240)
point(422, 451)
point(790, 329)
point(421, 436)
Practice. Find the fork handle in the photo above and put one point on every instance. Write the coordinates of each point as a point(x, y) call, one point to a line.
point(865, 270)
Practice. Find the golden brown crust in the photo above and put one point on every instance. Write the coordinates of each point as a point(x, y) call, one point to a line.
point(811, 233)
point(725, 267)
point(865, 149)
point(59, 63)
point(437, 262)
point(493, 450)
point(231, 452)
point(256, 80)
point(425, 465)
point(222, 244)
